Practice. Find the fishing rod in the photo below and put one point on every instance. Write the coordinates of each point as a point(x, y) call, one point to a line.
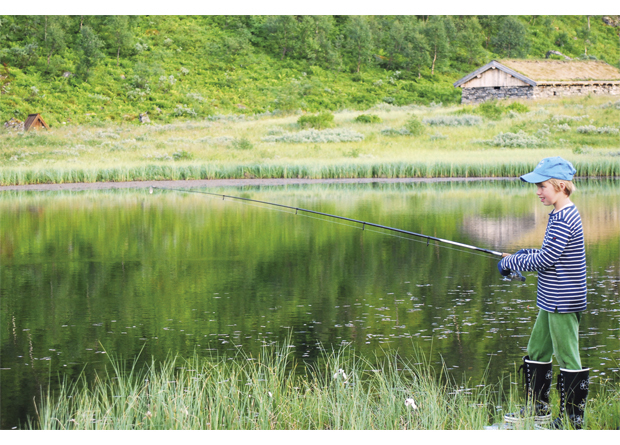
point(514, 275)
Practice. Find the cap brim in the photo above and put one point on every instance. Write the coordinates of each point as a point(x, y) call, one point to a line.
point(534, 178)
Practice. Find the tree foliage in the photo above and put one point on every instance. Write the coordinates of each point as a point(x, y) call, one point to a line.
point(358, 41)
point(510, 39)
point(89, 47)
point(441, 43)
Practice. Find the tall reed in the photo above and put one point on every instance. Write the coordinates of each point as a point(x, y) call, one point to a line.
point(339, 391)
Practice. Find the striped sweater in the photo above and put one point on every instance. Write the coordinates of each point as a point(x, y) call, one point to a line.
point(560, 262)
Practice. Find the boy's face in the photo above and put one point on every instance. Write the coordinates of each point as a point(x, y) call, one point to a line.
point(547, 193)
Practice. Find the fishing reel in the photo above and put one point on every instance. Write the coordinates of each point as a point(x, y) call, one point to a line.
point(514, 275)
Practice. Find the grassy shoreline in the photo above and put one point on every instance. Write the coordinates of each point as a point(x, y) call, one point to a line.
point(451, 142)
point(402, 169)
point(340, 391)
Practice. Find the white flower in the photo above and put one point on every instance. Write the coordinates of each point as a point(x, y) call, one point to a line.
point(269, 392)
point(410, 402)
point(340, 372)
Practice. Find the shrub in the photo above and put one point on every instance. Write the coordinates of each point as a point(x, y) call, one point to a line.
point(353, 153)
point(610, 104)
point(220, 140)
point(517, 107)
point(516, 140)
point(184, 110)
point(600, 130)
point(320, 121)
point(242, 144)
point(564, 118)
point(586, 129)
point(195, 96)
point(368, 119)
point(180, 155)
point(108, 135)
point(414, 126)
point(312, 135)
point(490, 110)
point(395, 132)
point(453, 121)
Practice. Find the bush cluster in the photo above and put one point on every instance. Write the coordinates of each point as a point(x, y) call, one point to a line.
point(467, 120)
point(599, 130)
point(494, 110)
point(395, 132)
point(516, 140)
point(242, 144)
point(319, 121)
point(368, 119)
point(317, 136)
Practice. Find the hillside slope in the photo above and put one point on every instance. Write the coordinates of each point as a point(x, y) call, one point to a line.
point(97, 69)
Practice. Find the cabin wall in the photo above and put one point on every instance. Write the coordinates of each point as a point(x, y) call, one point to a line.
point(481, 94)
point(542, 91)
point(494, 78)
point(477, 95)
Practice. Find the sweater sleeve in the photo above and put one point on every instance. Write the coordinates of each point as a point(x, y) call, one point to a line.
point(554, 244)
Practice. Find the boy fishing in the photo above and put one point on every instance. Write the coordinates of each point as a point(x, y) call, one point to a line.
point(561, 299)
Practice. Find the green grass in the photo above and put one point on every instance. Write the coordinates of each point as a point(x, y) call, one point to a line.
point(268, 147)
point(340, 391)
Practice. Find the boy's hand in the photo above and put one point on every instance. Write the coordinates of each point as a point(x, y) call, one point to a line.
point(502, 271)
point(504, 255)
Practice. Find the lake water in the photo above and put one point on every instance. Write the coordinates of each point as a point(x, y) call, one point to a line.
point(85, 275)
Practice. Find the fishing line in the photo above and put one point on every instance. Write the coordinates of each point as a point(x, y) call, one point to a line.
point(381, 233)
point(366, 226)
point(511, 276)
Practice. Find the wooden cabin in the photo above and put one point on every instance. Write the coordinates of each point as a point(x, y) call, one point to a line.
point(35, 121)
point(531, 79)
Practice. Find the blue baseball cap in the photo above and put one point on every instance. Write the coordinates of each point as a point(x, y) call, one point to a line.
point(548, 168)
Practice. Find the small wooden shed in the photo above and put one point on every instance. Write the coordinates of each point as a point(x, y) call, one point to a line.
point(530, 79)
point(35, 121)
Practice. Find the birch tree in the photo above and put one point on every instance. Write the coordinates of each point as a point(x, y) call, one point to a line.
point(358, 41)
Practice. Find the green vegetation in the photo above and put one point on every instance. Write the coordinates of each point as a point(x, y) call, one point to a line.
point(414, 126)
point(111, 69)
point(368, 119)
point(321, 121)
point(405, 144)
point(342, 391)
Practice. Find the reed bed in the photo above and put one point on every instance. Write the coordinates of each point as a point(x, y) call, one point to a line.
point(339, 391)
point(352, 169)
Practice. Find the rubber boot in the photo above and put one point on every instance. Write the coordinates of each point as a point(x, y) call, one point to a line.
point(538, 376)
point(573, 386)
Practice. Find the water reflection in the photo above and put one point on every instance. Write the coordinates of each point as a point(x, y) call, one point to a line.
point(89, 274)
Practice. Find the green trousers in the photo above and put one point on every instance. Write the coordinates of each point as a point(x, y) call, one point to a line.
point(556, 334)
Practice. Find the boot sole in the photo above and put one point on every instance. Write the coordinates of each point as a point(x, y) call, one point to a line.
point(536, 419)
